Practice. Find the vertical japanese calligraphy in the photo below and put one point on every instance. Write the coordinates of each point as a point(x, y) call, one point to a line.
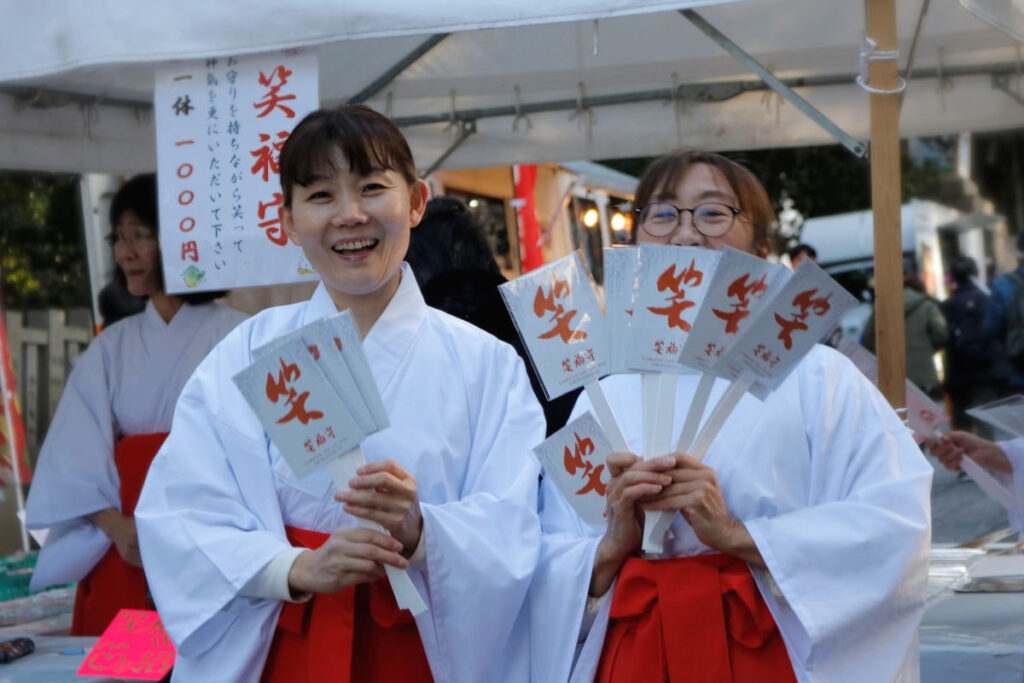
point(575, 460)
point(740, 286)
point(671, 283)
point(561, 324)
point(221, 124)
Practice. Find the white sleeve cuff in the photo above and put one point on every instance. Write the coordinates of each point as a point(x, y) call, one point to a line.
point(418, 559)
point(271, 583)
point(590, 612)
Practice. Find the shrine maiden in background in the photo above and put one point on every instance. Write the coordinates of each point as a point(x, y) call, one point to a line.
point(112, 417)
point(801, 547)
point(234, 542)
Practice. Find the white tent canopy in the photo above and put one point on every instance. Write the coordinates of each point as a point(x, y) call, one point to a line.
point(76, 86)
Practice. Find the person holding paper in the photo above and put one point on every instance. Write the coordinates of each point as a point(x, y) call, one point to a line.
point(1005, 458)
point(801, 547)
point(238, 542)
point(112, 417)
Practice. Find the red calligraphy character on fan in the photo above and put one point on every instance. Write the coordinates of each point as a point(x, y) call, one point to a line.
point(273, 98)
point(744, 292)
point(574, 461)
point(281, 387)
point(552, 302)
point(677, 302)
point(807, 305)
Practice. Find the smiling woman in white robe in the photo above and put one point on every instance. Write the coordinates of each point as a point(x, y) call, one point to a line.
point(114, 412)
point(799, 545)
point(220, 515)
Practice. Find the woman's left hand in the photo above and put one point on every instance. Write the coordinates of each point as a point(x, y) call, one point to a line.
point(385, 493)
point(695, 493)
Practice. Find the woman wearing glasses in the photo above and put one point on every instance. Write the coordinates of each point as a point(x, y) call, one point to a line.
point(112, 417)
point(800, 547)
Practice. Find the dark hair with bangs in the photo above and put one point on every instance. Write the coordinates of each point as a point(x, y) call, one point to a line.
point(367, 139)
point(667, 171)
point(139, 194)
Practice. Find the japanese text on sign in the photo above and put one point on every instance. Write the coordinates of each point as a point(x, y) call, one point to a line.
point(221, 124)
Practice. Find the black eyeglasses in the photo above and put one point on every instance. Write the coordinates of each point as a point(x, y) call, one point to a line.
point(711, 219)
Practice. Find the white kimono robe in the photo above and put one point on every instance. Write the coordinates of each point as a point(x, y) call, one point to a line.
point(463, 420)
point(125, 383)
point(833, 491)
point(1014, 450)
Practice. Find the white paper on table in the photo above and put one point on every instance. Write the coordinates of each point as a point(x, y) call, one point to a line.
point(620, 265)
point(561, 324)
point(1006, 414)
point(741, 284)
point(575, 459)
point(298, 408)
point(671, 283)
point(993, 566)
point(808, 305)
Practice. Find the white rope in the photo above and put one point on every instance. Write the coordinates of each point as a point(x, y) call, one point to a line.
point(869, 52)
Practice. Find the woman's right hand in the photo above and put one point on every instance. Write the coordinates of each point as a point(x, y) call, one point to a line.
point(632, 479)
point(348, 557)
point(952, 447)
point(121, 531)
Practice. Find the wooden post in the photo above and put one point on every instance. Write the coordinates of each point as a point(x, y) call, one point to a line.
point(883, 74)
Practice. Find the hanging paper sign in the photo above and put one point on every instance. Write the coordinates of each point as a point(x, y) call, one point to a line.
point(575, 458)
point(807, 306)
point(925, 417)
point(740, 285)
point(619, 291)
point(134, 646)
point(298, 408)
point(220, 126)
point(670, 287)
point(561, 324)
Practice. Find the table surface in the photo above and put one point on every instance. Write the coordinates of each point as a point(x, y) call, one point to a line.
point(970, 636)
point(963, 636)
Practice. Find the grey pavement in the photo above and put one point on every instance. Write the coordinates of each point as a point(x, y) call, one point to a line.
point(960, 510)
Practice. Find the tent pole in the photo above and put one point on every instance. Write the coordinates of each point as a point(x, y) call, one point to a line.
point(883, 75)
point(466, 128)
point(855, 146)
point(400, 66)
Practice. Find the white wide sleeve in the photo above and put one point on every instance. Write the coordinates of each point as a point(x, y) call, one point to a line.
point(208, 522)
point(558, 594)
point(481, 549)
point(848, 571)
point(75, 475)
point(1014, 450)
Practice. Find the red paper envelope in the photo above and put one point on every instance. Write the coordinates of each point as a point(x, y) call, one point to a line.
point(134, 646)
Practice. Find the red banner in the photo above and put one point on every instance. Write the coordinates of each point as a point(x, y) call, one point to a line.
point(12, 429)
point(530, 252)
